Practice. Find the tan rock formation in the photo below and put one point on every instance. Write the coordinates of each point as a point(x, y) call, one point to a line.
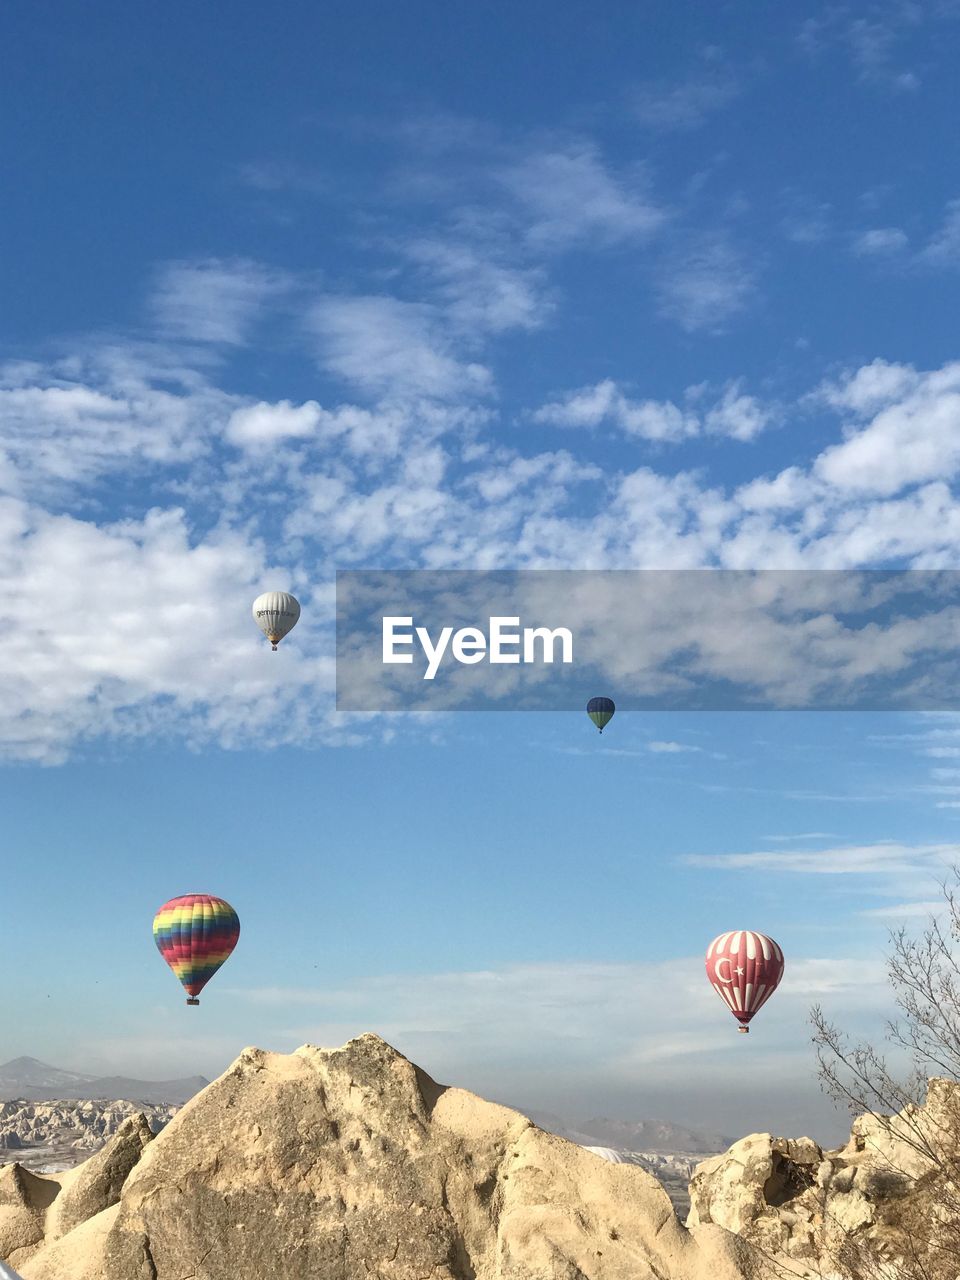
point(36, 1209)
point(61, 1134)
point(96, 1184)
point(24, 1201)
point(351, 1164)
point(873, 1197)
point(756, 1189)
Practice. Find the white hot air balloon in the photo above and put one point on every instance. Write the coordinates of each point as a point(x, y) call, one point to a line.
point(609, 1154)
point(276, 613)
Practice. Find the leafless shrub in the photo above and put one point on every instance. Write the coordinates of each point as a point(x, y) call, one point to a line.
point(913, 1184)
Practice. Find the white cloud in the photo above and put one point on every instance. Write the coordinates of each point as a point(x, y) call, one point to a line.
point(869, 35)
point(134, 629)
point(671, 748)
point(885, 858)
point(376, 435)
point(804, 835)
point(841, 511)
point(908, 81)
point(788, 491)
point(737, 416)
point(943, 248)
point(871, 43)
point(416, 477)
point(571, 196)
point(871, 387)
point(808, 220)
point(663, 105)
point(659, 1014)
point(605, 402)
point(388, 347)
point(734, 415)
point(913, 436)
point(880, 242)
point(213, 299)
point(75, 422)
point(905, 910)
point(547, 470)
point(639, 1039)
point(703, 285)
point(479, 293)
point(267, 423)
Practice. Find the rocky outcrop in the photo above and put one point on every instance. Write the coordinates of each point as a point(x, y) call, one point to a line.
point(24, 1201)
point(761, 1189)
point(350, 1164)
point(96, 1184)
point(80, 1126)
point(672, 1170)
point(795, 1202)
point(36, 1210)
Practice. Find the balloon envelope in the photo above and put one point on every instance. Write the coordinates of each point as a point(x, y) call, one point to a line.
point(276, 613)
point(608, 1154)
point(744, 969)
point(600, 711)
point(195, 933)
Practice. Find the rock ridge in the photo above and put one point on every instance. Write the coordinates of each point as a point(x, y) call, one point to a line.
point(354, 1164)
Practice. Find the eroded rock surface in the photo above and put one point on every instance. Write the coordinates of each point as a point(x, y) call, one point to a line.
point(36, 1210)
point(350, 1164)
point(24, 1200)
point(810, 1207)
point(41, 1135)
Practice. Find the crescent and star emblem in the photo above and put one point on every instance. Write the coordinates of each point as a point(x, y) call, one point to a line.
point(729, 978)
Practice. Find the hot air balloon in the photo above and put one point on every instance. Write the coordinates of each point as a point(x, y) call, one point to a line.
point(609, 1154)
point(600, 711)
point(744, 969)
point(276, 613)
point(195, 934)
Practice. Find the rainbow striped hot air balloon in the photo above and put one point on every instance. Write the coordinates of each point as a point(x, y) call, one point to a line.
point(744, 969)
point(195, 933)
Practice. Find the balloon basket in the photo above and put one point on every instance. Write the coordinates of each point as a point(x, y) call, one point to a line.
point(744, 1031)
point(192, 1000)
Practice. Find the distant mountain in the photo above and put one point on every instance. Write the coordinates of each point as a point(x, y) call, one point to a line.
point(633, 1135)
point(156, 1091)
point(34, 1081)
point(31, 1073)
point(652, 1135)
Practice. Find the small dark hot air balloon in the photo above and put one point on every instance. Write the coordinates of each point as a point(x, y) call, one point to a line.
point(600, 711)
point(195, 933)
point(744, 969)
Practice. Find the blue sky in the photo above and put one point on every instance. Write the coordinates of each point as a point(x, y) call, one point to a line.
point(461, 287)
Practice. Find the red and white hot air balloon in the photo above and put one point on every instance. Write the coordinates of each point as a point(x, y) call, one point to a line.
point(744, 969)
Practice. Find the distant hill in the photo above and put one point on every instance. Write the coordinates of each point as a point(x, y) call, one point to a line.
point(652, 1135)
point(30, 1073)
point(35, 1081)
point(633, 1135)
